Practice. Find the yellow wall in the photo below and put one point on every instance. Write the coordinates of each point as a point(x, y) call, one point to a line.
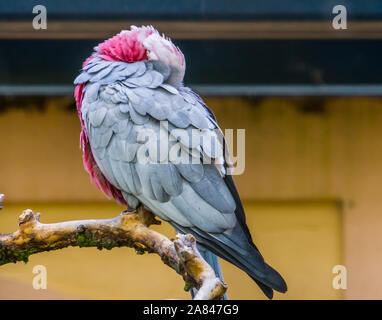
point(316, 159)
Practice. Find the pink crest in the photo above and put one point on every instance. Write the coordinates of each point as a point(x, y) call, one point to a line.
point(124, 46)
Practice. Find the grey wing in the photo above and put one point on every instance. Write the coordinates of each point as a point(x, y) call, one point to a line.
point(179, 177)
point(119, 114)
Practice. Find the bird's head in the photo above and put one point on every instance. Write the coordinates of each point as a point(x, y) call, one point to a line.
point(144, 43)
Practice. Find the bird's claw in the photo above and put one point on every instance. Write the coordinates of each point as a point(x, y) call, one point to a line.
point(128, 211)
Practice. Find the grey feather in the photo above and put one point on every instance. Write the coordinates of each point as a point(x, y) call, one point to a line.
point(213, 190)
point(92, 62)
point(132, 201)
point(130, 176)
point(166, 211)
point(116, 149)
point(142, 81)
point(144, 92)
point(96, 67)
point(189, 137)
point(98, 130)
point(179, 119)
point(99, 154)
point(121, 126)
point(162, 68)
point(128, 133)
point(169, 178)
point(198, 119)
point(178, 102)
point(110, 119)
point(112, 77)
point(157, 79)
point(134, 68)
point(132, 96)
point(191, 172)
point(120, 149)
point(91, 90)
point(137, 118)
point(102, 73)
point(190, 98)
point(124, 107)
point(140, 68)
point(102, 140)
point(96, 117)
point(159, 111)
point(169, 88)
point(119, 115)
point(159, 193)
point(212, 143)
point(106, 169)
point(83, 77)
point(199, 212)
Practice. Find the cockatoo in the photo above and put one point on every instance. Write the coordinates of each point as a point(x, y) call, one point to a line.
point(139, 124)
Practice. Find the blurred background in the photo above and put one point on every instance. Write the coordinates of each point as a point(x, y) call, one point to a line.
point(309, 97)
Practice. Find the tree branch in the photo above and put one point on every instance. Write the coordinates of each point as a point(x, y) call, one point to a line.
point(129, 229)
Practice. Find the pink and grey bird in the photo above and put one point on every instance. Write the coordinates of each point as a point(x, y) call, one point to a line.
point(132, 83)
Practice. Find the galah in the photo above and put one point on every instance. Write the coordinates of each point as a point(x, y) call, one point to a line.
point(132, 85)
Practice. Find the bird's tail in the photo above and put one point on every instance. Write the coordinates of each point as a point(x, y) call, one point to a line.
point(213, 261)
point(251, 261)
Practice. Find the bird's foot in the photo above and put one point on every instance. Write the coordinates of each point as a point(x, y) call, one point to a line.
point(147, 216)
point(128, 211)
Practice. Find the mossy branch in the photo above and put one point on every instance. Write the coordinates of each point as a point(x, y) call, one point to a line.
point(129, 230)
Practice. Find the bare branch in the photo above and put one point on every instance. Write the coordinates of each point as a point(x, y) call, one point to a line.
point(129, 229)
point(209, 286)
